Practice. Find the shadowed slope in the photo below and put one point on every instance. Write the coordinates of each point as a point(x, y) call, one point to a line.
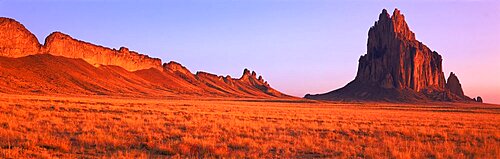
point(48, 74)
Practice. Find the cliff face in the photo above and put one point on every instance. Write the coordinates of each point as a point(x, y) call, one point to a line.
point(395, 59)
point(396, 67)
point(60, 44)
point(16, 40)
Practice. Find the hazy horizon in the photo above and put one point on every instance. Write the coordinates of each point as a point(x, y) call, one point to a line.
point(298, 46)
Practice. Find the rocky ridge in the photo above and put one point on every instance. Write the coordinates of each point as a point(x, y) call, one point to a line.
point(17, 41)
point(147, 75)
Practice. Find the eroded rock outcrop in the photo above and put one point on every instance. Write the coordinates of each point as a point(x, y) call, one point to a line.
point(453, 84)
point(479, 99)
point(60, 44)
point(136, 74)
point(395, 59)
point(396, 67)
point(248, 83)
point(16, 40)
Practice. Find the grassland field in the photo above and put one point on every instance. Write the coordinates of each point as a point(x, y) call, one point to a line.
point(103, 127)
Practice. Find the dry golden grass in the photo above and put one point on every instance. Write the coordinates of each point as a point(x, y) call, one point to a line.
point(69, 127)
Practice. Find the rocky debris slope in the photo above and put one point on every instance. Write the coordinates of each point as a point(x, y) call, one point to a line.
point(397, 67)
point(64, 65)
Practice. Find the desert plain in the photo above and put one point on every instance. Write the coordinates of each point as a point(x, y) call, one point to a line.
point(115, 127)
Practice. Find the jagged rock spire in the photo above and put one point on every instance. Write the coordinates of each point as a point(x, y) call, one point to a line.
point(453, 84)
point(395, 59)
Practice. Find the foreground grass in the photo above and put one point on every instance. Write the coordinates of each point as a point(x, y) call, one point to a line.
point(48, 127)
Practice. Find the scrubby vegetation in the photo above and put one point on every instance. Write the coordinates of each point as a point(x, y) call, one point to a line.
point(70, 127)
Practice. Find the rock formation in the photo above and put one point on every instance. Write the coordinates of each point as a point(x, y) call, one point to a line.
point(64, 65)
point(453, 84)
point(16, 40)
point(478, 99)
point(396, 67)
point(60, 44)
point(395, 59)
point(248, 83)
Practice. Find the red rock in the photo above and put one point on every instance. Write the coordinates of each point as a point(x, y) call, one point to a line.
point(64, 65)
point(16, 40)
point(453, 84)
point(395, 56)
point(396, 67)
point(60, 44)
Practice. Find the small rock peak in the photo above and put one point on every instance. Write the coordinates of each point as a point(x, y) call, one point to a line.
point(397, 18)
point(173, 66)
point(202, 73)
point(452, 77)
point(397, 13)
point(228, 77)
point(453, 84)
point(479, 99)
point(54, 36)
point(384, 15)
point(58, 34)
point(123, 49)
point(173, 63)
point(260, 79)
point(246, 72)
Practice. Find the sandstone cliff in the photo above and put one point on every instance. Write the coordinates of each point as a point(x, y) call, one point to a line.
point(16, 40)
point(396, 67)
point(60, 44)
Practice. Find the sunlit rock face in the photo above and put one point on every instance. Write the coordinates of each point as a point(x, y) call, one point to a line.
point(16, 40)
point(60, 44)
point(136, 74)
